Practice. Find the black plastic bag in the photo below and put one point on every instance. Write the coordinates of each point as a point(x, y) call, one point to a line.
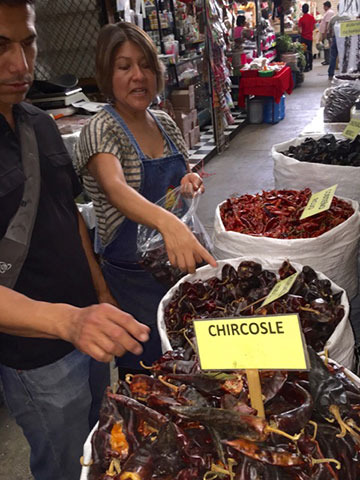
point(339, 102)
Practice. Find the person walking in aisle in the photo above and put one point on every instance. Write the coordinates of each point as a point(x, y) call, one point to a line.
point(306, 26)
point(50, 283)
point(129, 156)
point(324, 31)
point(333, 46)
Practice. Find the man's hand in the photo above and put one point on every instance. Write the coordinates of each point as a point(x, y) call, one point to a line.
point(103, 331)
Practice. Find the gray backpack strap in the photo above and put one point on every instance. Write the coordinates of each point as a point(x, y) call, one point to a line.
point(14, 246)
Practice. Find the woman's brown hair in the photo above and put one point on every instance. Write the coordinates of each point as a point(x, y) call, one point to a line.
point(111, 38)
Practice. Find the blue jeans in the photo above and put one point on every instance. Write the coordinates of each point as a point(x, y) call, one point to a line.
point(52, 405)
point(333, 57)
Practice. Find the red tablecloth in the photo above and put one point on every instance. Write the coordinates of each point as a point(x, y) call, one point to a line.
point(266, 86)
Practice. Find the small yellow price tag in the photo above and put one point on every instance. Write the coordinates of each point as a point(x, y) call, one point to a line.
point(266, 342)
point(280, 289)
point(352, 129)
point(347, 29)
point(319, 202)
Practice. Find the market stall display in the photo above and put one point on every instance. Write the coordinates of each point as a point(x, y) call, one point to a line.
point(238, 287)
point(318, 162)
point(185, 424)
point(332, 252)
point(274, 86)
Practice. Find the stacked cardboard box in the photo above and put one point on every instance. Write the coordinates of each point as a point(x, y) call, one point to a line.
point(186, 119)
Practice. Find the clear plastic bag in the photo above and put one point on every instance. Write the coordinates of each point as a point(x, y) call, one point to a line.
point(151, 249)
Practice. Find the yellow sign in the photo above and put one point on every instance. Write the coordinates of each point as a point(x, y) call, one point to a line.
point(280, 289)
point(266, 342)
point(319, 202)
point(347, 29)
point(352, 129)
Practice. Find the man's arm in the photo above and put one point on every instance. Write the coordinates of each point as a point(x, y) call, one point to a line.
point(102, 290)
point(101, 331)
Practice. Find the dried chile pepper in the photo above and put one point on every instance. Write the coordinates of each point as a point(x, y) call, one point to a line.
point(294, 418)
point(110, 439)
point(271, 455)
point(140, 464)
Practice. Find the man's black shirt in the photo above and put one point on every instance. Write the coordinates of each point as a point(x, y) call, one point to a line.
point(56, 269)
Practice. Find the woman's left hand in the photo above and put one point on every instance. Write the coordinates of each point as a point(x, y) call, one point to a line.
point(191, 185)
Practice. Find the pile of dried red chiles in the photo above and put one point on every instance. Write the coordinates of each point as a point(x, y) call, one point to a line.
point(183, 424)
point(277, 213)
point(241, 291)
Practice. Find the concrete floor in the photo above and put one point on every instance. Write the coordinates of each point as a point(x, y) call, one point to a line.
point(246, 167)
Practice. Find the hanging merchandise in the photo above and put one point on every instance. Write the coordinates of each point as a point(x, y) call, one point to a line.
point(217, 33)
point(348, 50)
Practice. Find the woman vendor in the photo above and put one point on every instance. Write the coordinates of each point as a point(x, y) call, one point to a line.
point(129, 156)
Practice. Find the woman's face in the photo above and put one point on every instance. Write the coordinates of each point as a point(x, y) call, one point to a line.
point(134, 83)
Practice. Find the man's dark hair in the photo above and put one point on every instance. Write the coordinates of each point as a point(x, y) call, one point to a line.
point(265, 13)
point(305, 8)
point(240, 21)
point(327, 4)
point(16, 3)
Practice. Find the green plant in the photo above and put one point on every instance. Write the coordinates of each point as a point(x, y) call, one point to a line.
point(283, 44)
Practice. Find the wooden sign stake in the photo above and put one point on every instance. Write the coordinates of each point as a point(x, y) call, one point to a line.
point(254, 384)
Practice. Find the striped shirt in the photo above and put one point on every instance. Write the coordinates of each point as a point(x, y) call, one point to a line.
point(104, 135)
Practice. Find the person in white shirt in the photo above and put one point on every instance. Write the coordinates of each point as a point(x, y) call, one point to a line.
point(324, 30)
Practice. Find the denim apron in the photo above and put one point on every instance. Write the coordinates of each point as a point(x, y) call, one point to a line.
point(136, 290)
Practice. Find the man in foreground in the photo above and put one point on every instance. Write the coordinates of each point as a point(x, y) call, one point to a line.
point(53, 336)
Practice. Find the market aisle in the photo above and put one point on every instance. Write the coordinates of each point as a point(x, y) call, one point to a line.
point(246, 167)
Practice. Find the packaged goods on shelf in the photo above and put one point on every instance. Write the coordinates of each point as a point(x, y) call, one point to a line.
point(221, 303)
point(290, 172)
point(331, 253)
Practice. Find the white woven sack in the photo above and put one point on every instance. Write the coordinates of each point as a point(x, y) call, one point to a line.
point(340, 344)
point(87, 454)
point(333, 253)
point(291, 173)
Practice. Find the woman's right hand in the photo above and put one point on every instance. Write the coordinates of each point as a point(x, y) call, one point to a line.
point(183, 249)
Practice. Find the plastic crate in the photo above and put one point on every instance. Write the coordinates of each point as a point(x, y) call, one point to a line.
point(256, 110)
point(273, 112)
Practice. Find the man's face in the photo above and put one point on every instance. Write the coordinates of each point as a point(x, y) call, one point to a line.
point(17, 53)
